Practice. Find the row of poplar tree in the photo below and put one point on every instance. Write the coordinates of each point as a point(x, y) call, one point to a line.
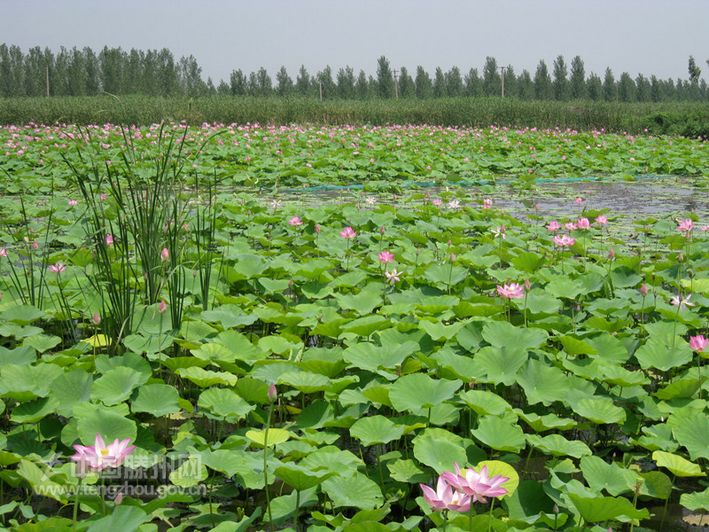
point(79, 72)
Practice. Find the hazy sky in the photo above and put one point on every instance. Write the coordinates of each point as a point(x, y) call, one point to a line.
point(646, 36)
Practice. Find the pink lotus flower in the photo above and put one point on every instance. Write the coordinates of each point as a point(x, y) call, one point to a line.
point(445, 497)
point(272, 393)
point(165, 254)
point(3, 252)
point(583, 223)
point(162, 306)
point(35, 245)
point(510, 291)
point(386, 257)
point(570, 226)
point(553, 226)
point(437, 202)
point(317, 228)
point(685, 226)
point(487, 203)
point(348, 233)
point(295, 221)
point(478, 485)
point(73, 203)
point(392, 276)
point(109, 239)
point(100, 456)
point(59, 267)
point(564, 241)
point(96, 318)
point(644, 289)
point(698, 343)
point(500, 232)
point(601, 220)
point(579, 200)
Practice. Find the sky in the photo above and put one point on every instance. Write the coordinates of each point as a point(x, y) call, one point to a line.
point(637, 36)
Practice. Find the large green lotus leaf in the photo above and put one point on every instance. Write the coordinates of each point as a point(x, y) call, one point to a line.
point(624, 277)
point(204, 378)
point(499, 365)
point(600, 475)
point(285, 506)
point(439, 449)
point(304, 381)
point(301, 478)
point(104, 363)
point(247, 465)
point(116, 385)
point(575, 346)
point(502, 333)
point(21, 355)
point(355, 490)
point(683, 388)
point(609, 348)
point(229, 316)
point(599, 509)
point(39, 479)
point(96, 419)
point(419, 391)
point(246, 267)
point(376, 430)
point(121, 518)
point(599, 410)
point(691, 429)
point(367, 325)
point(269, 438)
point(156, 399)
point(542, 383)
point(154, 343)
point(528, 501)
point(659, 355)
point(695, 501)
point(445, 275)
point(274, 286)
point(33, 411)
point(484, 402)
point(677, 465)
point(455, 366)
point(565, 287)
point(498, 467)
point(371, 357)
point(22, 314)
point(557, 445)
point(539, 302)
point(42, 342)
point(546, 422)
point(407, 471)
point(656, 484)
point(619, 376)
point(657, 438)
point(222, 403)
point(69, 389)
point(363, 303)
point(240, 346)
point(279, 345)
point(331, 458)
point(190, 473)
point(27, 382)
point(438, 331)
point(500, 434)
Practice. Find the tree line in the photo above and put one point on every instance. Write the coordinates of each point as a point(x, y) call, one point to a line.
point(83, 72)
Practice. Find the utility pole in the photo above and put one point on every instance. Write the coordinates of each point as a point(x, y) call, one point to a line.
point(396, 83)
point(502, 69)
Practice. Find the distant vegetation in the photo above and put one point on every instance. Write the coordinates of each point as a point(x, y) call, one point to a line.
point(83, 72)
point(689, 119)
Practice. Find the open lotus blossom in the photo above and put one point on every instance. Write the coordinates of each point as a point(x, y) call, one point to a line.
point(101, 456)
point(348, 232)
point(677, 301)
point(165, 254)
point(393, 276)
point(454, 204)
point(685, 226)
point(109, 239)
point(437, 202)
point(601, 220)
point(478, 485)
point(370, 200)
point(579, 200)
point(487, 203)
point(73, 203)
point(583, 223)
point(295, 221)
point(564, 241)
point(570, 226)
point(511, 291)
point(275, 204)
point(553, 226)
point(698, 343)
point(445, 497)
point(386, 257)
point(500, 232)
point(59, 267)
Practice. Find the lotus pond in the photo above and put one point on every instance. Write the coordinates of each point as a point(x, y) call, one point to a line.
point(185, 344)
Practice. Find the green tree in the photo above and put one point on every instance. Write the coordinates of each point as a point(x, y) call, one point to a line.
point(424, 87)
point(454, 82)
point(560, 83)
point(610, 91)
point(284, 84)
point(626, 88)
point(542, 82)
point(362, 86)
point(694, 70)
point(439, 84)
point(577, 82)
point(407, 87)
point(642, 89)
point(491, 78)
point(525, 86)
point(346, 83)
point(594, 87)
point(473, 83)
point(385, 79)
point(302, 82)
point(655, 89)
point(237, 83)
point(168, 76)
